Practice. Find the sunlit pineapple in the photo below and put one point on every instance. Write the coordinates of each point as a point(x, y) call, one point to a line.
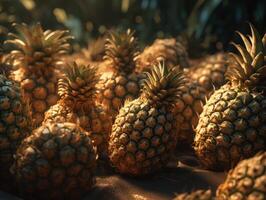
point(77, 91)
point(38, 53)
point(123, 83)
point(168, 50)
point(232, 125)
point(246, 181)
point(144, 133)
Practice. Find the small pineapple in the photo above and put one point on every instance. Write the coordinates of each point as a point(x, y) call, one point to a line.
point(210, 72)
point(39, 52)
point(246, 181)
point(15, 121)
point(232, 125)
point(57, 161)
point(77, 91)
point(167, 50)
point(123, 83)
point(196, 195)
point(144, 133)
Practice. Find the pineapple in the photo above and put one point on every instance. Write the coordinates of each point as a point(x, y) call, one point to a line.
point(77, 91)
point(168, 50)
point(57, 161)
point(246, 181)
point(5, 64)
point(210, 72)
point(15, 121)
point(232, 124)
point(196, 195)
point(39, 52)
point(144, 132)
point(123, 83)
point(187, 109)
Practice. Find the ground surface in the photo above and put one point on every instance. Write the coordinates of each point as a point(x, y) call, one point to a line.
point(183, 174)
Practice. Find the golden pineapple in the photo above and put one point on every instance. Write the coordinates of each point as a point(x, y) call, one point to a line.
point(232, 125)
point(39, 52)
point(210, 72)
point(196, 195)
point(144, 132)
point(77, 91)
point(246, 181)
point(187, 109)
point(57, 161)
point(123, 83)
point(15, 121)
point(167, 50)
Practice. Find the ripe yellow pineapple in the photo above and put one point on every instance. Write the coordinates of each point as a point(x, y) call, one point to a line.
point(246, 181)
point(123, 83)
point(210, 72)
point(15, 121)
point(57, 161)
point(232, 125)
point(39, 52)
point(144, 132)
point(77, 91)
point(167, 50)
point(196, 195)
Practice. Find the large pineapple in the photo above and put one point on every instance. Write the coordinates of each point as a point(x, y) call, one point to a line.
point(232, 125)
point(123, 83)
point(144, 132)
point(247, 181)
point(57, 161)
point(39, 52)
point(15, 121)
point(210, 72)
point(167, 50)
point(77, 91)
point(196, 195)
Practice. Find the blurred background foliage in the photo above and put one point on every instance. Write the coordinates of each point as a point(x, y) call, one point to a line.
point(208, 22)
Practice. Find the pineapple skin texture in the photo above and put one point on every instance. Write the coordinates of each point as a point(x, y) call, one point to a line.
point(56, 162)
point(115, 89)
point(40, 91)
point(187, 110)
point(168, 50)
point(196, 195)
point(246, 181)
point(231, 127)
point(95, 120)
point(142, 139)
point(15, 121)
point(210, 73)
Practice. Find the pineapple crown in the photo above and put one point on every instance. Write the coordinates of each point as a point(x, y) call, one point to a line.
point(38, 47)
point(121, 50)
point(163, 85)
point(78, 85)
point(249, 66)
point(95, 50)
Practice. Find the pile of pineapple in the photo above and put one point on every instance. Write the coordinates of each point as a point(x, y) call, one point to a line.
point(62, 116)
